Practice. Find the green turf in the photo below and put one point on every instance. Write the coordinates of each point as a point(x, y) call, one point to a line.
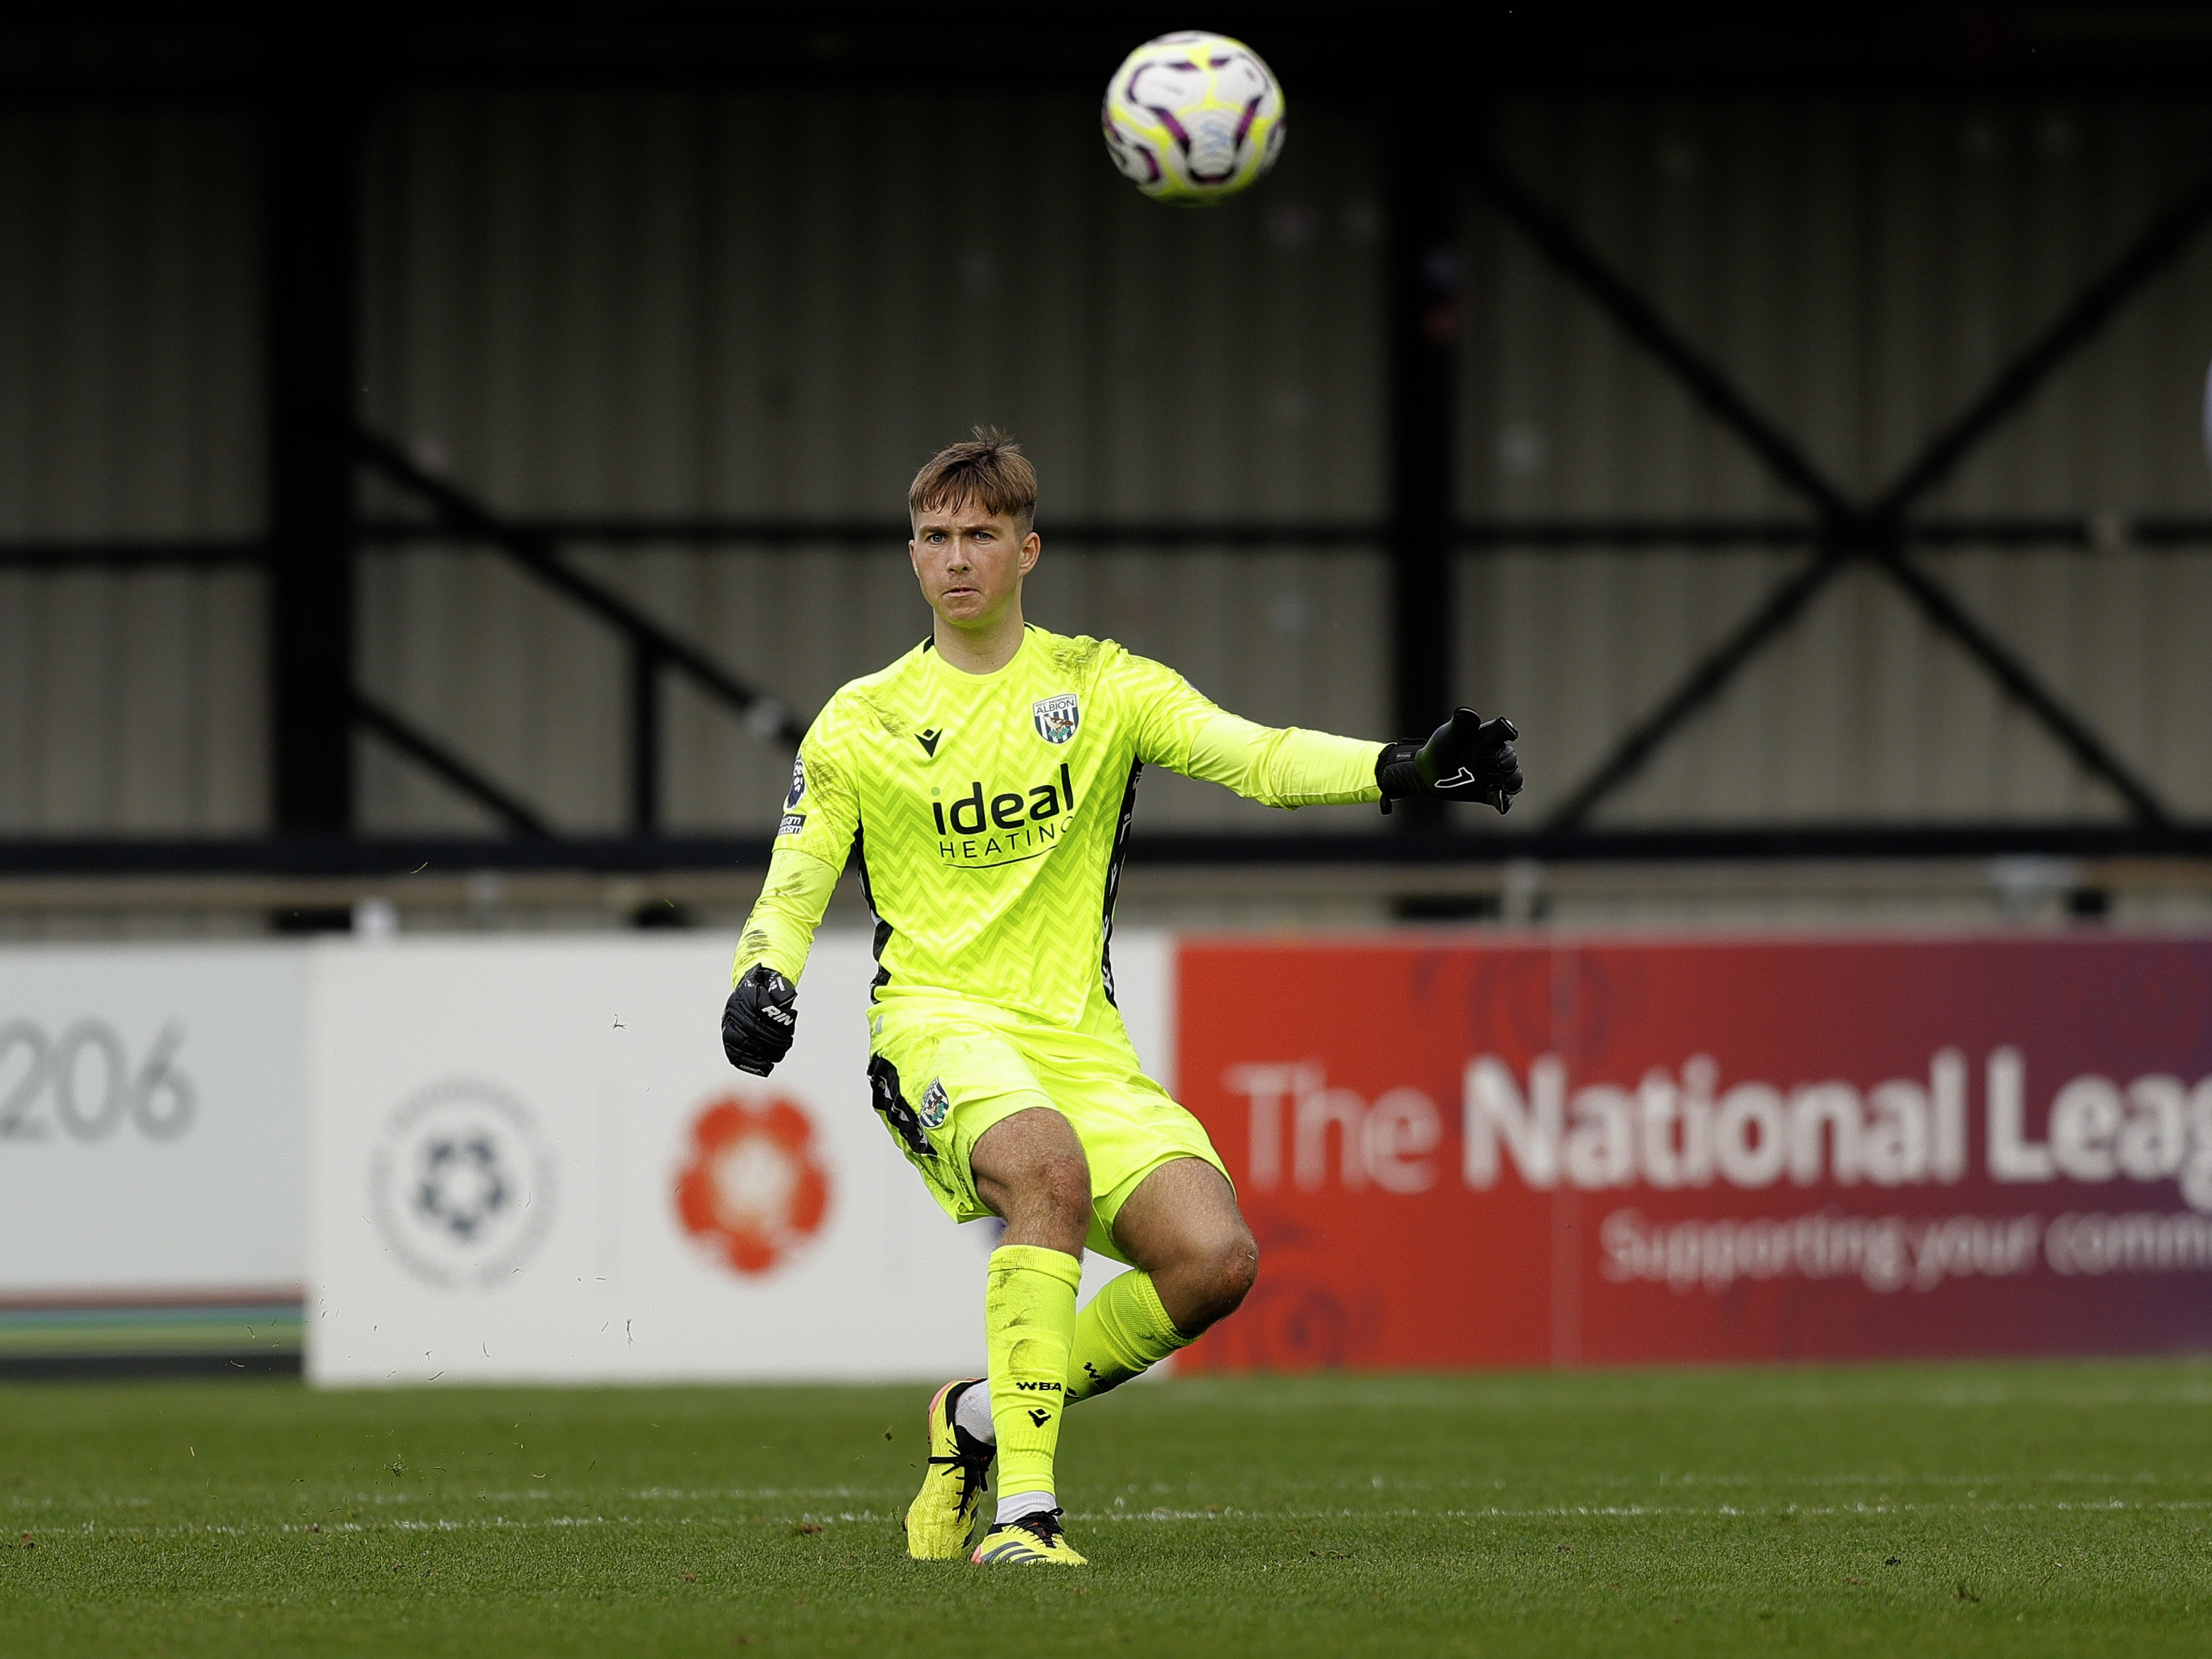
point(2051, 1509)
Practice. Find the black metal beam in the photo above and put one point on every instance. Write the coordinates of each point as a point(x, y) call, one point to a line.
point(1712, 673)
point(1782, 843)
point(2161, 242)
point(1559, 241)
point(310, 170)
point(1422, 329)
point(2180, 532)
point(1636, 535)
point(2072, 734)
point(132, 553)
point(435, 757)
point(1846, 530)
point(406, 855)
point(471, 520)
point(890, 534)
point(2165, 240)
point(375, 855)
point(2004, 49)
point(1984, 532)
point(1711, 388)
point(1708, 385)
point(1700, 686)
point(137, 1366)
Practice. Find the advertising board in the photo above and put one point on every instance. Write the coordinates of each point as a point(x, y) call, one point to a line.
point(1466, 1153)
point(153, 1109)
point(531, 1161)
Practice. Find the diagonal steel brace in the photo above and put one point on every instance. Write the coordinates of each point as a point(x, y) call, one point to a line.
point(1850, 533)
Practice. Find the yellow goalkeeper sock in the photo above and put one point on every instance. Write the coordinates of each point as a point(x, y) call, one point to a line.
point(1029, 1323)
point(1122, 1332)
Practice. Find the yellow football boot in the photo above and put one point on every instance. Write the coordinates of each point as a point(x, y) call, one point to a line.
point(942, 1517)
point(1035, 1540)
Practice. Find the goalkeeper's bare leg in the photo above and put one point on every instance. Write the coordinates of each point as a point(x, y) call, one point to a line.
point(1183, 1232)
point(1030, 1171)
point(1196, 1259)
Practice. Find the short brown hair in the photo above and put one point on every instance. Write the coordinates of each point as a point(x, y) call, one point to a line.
point(990, 471)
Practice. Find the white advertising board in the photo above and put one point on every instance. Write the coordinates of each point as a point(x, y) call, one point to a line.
point(531, 1162)
point(152, 1111)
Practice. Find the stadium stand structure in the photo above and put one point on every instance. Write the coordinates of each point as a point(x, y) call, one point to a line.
point(1565, 423)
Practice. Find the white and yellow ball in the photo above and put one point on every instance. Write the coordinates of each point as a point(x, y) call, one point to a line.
point(1191, 117)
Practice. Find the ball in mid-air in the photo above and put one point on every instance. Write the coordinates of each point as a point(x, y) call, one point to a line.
point(1191, 117)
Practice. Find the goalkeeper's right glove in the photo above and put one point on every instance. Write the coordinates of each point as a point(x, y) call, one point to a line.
point(758, 1020)
point(1466, 758)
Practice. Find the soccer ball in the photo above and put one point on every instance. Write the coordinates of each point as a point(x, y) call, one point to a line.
point(1191, 117)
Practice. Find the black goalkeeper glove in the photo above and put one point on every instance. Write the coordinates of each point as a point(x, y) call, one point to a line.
point(1466, 758)
point(758, 1020)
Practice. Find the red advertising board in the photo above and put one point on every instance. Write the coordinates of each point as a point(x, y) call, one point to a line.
point(1523, 1153)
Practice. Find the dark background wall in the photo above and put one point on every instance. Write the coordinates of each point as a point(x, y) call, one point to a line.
point(697, 291)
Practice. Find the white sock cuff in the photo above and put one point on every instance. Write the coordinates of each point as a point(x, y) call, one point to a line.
point(1015, 1505)
point(973, 1412)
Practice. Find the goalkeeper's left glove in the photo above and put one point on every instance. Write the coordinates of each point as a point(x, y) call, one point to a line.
point(1466, 758)
point(758, 1020)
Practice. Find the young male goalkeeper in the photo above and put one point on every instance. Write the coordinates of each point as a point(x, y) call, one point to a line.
point(987, 780)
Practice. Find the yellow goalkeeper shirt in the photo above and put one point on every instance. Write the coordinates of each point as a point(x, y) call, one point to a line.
point(991, 812)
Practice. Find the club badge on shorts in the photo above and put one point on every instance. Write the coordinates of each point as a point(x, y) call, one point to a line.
point(1056, 717)
point(934, 1105)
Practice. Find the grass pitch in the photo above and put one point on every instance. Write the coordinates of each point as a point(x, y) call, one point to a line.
point(2034, 1508)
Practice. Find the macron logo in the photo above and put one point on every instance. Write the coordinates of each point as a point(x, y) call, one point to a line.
point(929, 742)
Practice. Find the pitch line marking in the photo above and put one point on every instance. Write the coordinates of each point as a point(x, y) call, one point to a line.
point(1622, 1511)
point(754, 1494)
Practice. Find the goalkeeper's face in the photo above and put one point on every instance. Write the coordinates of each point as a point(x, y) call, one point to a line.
point(970, 563)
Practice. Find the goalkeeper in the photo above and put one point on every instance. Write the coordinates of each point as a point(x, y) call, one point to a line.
point(986, 780)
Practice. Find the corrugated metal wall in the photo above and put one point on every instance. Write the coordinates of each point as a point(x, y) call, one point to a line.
point(129, 371)
point(1861, 272)
point(608, 305)
point(612, 304)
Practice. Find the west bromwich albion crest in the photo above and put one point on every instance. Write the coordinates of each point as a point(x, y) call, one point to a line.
point(1056, 717)
point(935, 1104)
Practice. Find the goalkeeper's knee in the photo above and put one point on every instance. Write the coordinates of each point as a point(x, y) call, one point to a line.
point(1216, 1283)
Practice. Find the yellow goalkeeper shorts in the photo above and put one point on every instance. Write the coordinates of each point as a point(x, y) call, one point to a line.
point(942, 1070)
